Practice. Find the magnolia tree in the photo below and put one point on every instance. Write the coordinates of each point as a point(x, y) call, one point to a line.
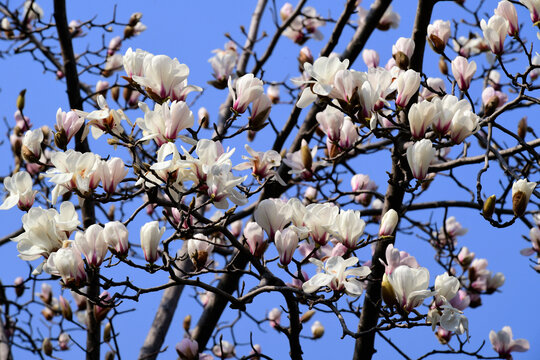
point(165, 206)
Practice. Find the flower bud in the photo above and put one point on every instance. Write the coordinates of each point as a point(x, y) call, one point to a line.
point(19, 286)
point(63, 341)
point(199, 250)
point(522, 127)
point(65, 308)
point(46, 293)
point(255, 239)
point(286, 242)
point(47, 347)
point(274, 317)
point(107, 332)
point(115, 93)
point(388, 223)
point(443, 335)
point(521, 192)
point(20, 100)
point(489, 207)
point(307, 159)
point(204, 118)
point(151, 234)
point(317, 330)
point(110, 355)
point(307, 316)
point(273, 93)
point(304, 56)
point(443, 66)
point(186, 324)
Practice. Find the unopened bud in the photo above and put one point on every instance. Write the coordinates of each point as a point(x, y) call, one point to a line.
point(126, 94)
point(107, 332)
point(47, 313)
point(443, 66)
point(187, 323)
point(115, 93)
point(47, 347)
point(402, 60)
point(135, 18)
point(110, 355)
point(307, 316)
point(388, 294)
point(65, 308)
point(20, 100)
point(204, 118)
point(19, 286)
point(317, 330)
point(251, 135)
point(110, 213)
point(489, 207)
point(307, 159)
point(522, 127)
point(491, 105)
point(129, 31)
point(519, 203)
point(60, 139)
point(304, 56)
point(436, 44)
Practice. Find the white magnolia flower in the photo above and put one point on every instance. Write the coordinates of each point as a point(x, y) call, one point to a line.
point(199, 250)
point(165, 122)
point(68, 263)
point(262, 164)
point(336, 276)
point(20, 191)
point(151, 234)
point(503, 342)
point(347, 227)
point(246, 90)
point(495, 31)
point(286, 243)
point(92, 244)
point(134, 62)
point(463, 72)
point(420, 156)
point(421, 116)
point(272, 215)
point(521, 193)
point(116, 236)
point(508, 11)
point(388, 223)
point(103, 120)
point(317, 218)
point(446, 287)
point(113, 171)
point(31, 145)
point(409, 286)
point(406, 84)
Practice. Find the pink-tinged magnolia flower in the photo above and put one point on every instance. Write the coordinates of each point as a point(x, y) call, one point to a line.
point(348, 135)
point(103, 120)
point(112, 64)
point(236, 228)
point(451, 231)
point(371, 58)
point(199, 250)
point(246, 90)
point(20, 191)
point(446, 287)
point(92, 244)
point(113, 172)
point(22, 122)
point(301, 161)
point(63, 341)
point(419, 156)
point(188, 349)
point(438, 34)
point(347, 228)
point(151, 234)
point(337, 277)
point(165, 78)
point(323, 71)
point(390, 18)
point(461, 301)
point(222, 185)
point(67, 125)
point(437, 84)
point(507, 10)
point(534, 236)
point(493, 99)
point(75, 29)
point(255, 239)
point(445, 110)
point(346, 84)
point(272, 215)
point(408, 286)
point(421, 116)
point(388, 223)
point(331, 121)
point(273, 93)
point(224, 350)
point(102, 87)
point(451, 319)
point(134, 62)
point(396, 258)
point(534, 9)
point(116, 235)
point(363, 185)
point(114, 45)
point(262, 164)
point(67, 263)
point(286, 243)
point(504, 344)
point(223, 64)
point(407, 83)
point(521, 193)
point(464, 123)
point(495, 31)
point(317, 218)
point(274, 317)
point(465, 257)
point(463, 72)
point(165, 122)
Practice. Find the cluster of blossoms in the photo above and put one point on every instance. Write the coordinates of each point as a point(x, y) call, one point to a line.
point(302, 27)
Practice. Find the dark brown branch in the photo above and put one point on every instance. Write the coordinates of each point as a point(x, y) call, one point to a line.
point(252, 37)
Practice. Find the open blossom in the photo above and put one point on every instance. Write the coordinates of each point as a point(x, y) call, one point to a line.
point(437, 85)
point(331, 121)
point(188, 349)
point(151, 234)
point(246, 90)
point(103, 120)
point(507, 10)
point(446, 287)
point(445, 111)
point(67, 125)
point(67, 263)
point(504, 344)
point(521, 193)
point(134, 62)
point(20, 191)
point(272, 215)
point(419, 156)
point(371, 58)
point(303, 26)
point(421, 116)
point(390, 18)
point(221, 185)
point(408, 286)
point(301, 161)
point(451, 230)
point(262, 164)
point(534, 236)
point(116, 236)
point(113, 172)
point(223, 64)
point(286, 243)
point(451, 319)
point(438, 34)
point(364, 186)
point(112, 64)
point(463, 72)
point(495, 31)
point(322, 71)
point(348, 227)
point(337, 277)
point(406, 85)
point(464, 123)
point(165, 122)
point(317, 218)
point(224, 350)
point(396, 258)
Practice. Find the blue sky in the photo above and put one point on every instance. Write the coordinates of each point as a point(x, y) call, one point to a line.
point(190, 30)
